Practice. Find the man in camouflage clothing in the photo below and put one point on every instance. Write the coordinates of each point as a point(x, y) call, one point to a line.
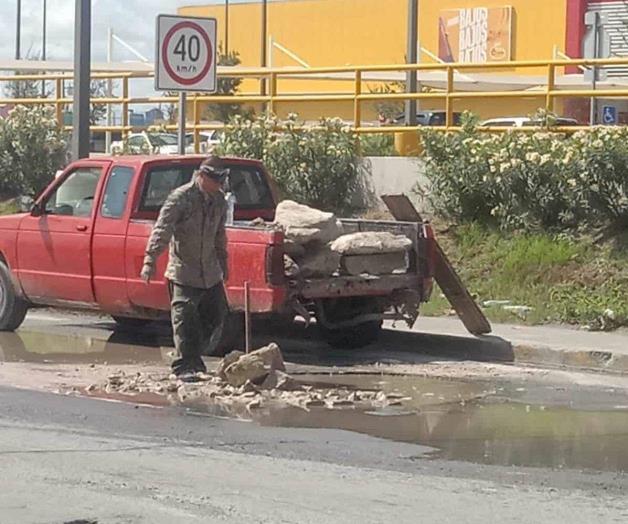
point(192, 221)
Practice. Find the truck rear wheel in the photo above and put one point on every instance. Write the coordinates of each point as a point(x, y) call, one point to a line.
point(13, 308)
point(333, 313)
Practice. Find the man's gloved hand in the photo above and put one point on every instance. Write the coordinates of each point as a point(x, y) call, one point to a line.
point(147, 273)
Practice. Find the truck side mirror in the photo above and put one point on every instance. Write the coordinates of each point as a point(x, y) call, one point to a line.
point(36, 210)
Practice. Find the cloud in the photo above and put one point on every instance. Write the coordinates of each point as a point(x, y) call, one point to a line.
point(131, 20)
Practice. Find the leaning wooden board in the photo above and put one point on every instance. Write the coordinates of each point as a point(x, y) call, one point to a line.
point(459, 297)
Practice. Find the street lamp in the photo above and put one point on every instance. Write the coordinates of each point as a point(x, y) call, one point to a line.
point(82, 69)
point(264, 30)
point(226, 27)
point(411, 54)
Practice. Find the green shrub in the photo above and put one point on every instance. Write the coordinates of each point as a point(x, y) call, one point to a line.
point(315, 165)
point(518, 180)
point(378, 144)
point(32, 149)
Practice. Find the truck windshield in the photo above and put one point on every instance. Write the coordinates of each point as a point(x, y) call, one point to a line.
point(247, 183)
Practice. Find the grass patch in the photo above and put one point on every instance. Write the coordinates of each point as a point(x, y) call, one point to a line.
point(562, 279)
point(9, 207)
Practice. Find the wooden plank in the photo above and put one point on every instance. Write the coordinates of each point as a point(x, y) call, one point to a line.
point(452, 286)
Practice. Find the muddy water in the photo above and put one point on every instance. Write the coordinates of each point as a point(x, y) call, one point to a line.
point(474, 422)
point(117, 348)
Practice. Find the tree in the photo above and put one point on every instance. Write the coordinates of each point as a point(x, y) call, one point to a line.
point(26, 88)
point(226, 86)
point(98, 89)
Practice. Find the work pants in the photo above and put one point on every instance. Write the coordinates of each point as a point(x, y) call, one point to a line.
point(195, 315)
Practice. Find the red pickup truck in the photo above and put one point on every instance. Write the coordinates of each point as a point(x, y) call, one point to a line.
point(82, 246)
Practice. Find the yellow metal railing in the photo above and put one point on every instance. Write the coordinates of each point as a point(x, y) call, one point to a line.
point(357, 75)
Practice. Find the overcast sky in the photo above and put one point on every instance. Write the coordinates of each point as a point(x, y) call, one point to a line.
point(132, 20)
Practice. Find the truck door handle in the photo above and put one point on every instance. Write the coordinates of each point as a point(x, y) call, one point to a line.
point(81, 228)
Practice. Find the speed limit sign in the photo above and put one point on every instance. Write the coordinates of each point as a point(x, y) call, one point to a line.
point(186, 54)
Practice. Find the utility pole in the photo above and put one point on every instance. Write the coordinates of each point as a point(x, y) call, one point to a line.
point(411, 58)
point(18, 31)
point(82, 69)
point(594, 76)
point(109, 91)
point(264, 32)
point(43, 45)
point(226, 27)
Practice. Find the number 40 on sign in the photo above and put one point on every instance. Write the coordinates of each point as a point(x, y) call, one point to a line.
point(185, 54)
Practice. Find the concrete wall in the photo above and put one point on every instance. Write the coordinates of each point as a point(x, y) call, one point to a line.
point(396, 175)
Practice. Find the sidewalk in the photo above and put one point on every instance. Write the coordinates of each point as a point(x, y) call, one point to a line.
point(540, 345)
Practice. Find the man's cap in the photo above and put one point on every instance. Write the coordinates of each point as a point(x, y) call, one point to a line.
point(214, 167)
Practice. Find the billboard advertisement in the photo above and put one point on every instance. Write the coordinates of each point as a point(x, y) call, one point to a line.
point(475, 35)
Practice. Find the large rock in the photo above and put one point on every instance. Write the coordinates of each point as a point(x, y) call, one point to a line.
point(303, 224)
point(370, 242)
point(378, 264)
point(247, 368)
point(253, 367)
point(227, 361)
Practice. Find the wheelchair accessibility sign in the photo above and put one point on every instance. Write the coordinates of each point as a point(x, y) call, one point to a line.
point(609, 115)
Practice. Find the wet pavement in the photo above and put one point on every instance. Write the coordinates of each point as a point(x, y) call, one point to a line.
point(491, 422)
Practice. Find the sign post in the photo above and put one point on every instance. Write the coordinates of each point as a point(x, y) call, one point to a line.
point(185, 59)
point(609, 115)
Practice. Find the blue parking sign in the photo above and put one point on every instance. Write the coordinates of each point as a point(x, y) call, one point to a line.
point(609, 115)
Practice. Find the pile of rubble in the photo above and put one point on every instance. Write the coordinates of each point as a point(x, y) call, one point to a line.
point(246, 382)
point(317, 246)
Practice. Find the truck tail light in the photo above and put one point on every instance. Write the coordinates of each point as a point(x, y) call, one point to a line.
point(275, 273)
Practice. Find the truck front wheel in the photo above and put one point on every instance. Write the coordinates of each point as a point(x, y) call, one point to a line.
point(12, 307)
point(349, 322)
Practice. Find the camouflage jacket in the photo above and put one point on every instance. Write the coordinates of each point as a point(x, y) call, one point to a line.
point(194, 226)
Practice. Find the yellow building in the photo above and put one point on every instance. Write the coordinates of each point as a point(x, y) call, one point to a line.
point(365, 32)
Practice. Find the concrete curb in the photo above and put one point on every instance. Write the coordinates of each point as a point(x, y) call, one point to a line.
point(546, 346)
point(592, 359)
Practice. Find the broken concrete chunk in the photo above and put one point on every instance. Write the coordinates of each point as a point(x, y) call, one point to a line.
point(375, 264)
point(271, 356)
point(247, 368)
point(290, 267)
point(303, 224)
point(370, 242)
point(280, 380)
point(227, 361)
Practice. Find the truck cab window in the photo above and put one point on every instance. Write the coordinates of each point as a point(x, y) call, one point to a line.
point(248, 185)
point(117, 192)
point(75, 195)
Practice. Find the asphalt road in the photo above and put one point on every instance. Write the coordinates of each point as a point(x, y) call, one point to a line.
point(67, 458)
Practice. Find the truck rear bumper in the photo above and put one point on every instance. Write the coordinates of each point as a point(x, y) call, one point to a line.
point(351, 286)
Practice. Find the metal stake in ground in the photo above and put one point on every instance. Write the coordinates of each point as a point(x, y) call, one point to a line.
point(247, 317)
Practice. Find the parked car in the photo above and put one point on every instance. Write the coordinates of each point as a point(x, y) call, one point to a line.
point(207, 139)
point(148, 143)
point(430, 118)
point(82, 245)
point(522, 121)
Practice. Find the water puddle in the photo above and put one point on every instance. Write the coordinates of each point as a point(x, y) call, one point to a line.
point(472, 422)
point(117, 348)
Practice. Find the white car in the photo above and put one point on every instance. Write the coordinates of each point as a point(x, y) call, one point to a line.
point(148, 144)
point(207, 140)
point(524, 121)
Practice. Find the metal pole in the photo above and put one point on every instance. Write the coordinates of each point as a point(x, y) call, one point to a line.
point(596, 52)
point(18, 31)
point(43, 44)
point(411, 58)
point(264, 32)
point(247, 317)
point(182, 103)
point(109, 91)
point(82, 65)
point(226, 27)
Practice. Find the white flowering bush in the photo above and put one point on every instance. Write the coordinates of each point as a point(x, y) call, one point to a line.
point(519, 180)
point(317, 165)
point(32, 149)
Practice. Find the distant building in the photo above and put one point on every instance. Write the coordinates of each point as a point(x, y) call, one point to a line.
point(136, 119)
point(154, 115)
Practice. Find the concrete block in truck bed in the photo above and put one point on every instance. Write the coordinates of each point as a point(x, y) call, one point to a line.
point(371, 242)
point(303, 224)
point(377, 264)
